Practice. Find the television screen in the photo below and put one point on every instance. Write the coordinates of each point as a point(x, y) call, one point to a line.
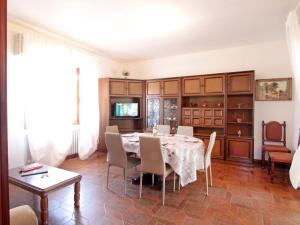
point(126, 109)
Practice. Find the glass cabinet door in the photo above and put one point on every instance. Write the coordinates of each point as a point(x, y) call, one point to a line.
point(170, 112)
point(153, 112)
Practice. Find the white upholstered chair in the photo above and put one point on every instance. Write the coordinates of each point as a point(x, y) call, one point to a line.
point(207, 160)
point(152, 161)
point(112, 129)
point(163, 129)
point(22, 215)
point(185, 130)
point(117, 156)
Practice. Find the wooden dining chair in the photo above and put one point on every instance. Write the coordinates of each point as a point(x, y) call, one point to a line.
point(118, 157)
point(163, 129)
point(152, 161)
point(185, 130)
point(280, 158)
point(112, 129)
point(273, 138)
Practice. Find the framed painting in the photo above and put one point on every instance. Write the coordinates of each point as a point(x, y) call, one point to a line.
point(277, 89)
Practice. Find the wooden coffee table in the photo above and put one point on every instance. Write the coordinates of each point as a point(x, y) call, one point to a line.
point(42, 184)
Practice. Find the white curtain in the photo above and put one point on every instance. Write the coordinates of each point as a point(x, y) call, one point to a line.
point(293, 38)
point(89, 104)
point(48, 89)
point(50, 99)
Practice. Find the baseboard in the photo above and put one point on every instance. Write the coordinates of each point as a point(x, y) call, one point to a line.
point(72, 156)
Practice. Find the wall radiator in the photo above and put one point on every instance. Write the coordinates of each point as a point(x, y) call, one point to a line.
point(75, 140)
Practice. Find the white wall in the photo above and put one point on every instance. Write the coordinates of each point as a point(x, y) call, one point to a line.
point(18, 153)
point(269, 60)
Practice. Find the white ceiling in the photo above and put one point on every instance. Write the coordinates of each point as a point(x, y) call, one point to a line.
point(129, 30)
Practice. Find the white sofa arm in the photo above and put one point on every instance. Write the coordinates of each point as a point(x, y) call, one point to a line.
point(23, 215)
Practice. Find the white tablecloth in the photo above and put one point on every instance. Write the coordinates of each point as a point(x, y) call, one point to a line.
point(184, 154)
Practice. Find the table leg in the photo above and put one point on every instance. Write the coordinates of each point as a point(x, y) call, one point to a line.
point(77, 194)
point(44, 209)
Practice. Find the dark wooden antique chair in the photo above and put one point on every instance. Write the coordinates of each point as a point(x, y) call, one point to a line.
point(280, 158)
point(273, 138)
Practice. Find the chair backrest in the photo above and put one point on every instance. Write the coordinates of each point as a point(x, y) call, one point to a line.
point(116, 153)
point(207, 158)
point(112, 129)
point(163, 129)
point(274, 131)
point(152, 160)
point(185, 130)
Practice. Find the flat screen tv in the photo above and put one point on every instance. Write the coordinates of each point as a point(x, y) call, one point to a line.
point(126, 109)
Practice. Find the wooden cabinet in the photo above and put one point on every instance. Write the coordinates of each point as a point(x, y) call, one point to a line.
point(191, 86)
point(126, 87)
point(165, 88)
point(153, 87)
point(240, 116)
point(170, 87)
point(112, 91)
point(240, 83)
point(240, 149)
point(214, 85)
point(135, 88)
point(218, 149)
point(204, 85)
point(118, 87)
point(203, 117)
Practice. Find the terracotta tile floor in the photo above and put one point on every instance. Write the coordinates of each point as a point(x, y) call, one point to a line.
point(240, 195)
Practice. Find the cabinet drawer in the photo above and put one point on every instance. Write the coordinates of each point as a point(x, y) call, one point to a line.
point(186, 121)
point(207, 121)
point(196, 112)
point(219, 122)
point(196, 122)
point(208, 113)
point(218, 112)
point(186, 112)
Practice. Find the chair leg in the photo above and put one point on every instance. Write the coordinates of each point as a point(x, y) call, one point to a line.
point(269, 166)
point(141, 183)
point(206, 181)
point(263, 158)
point(272, 170)
point(152, 179)
point(108, 166)
point(210, 174)
point(179, 182)
point(125, 181)
point(163, 191)
point(174, 181)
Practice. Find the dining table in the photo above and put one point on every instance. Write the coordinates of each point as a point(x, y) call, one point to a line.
point(184, 154)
